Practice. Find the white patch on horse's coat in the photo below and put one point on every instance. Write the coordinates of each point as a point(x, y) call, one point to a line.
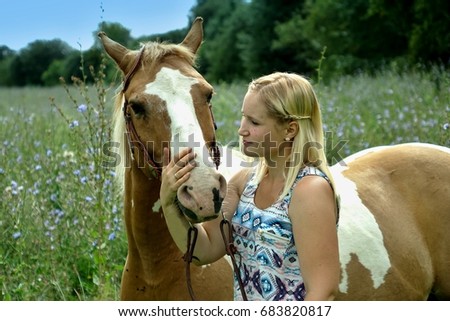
point(156, 206)
point(358, 233)
point(174, 88)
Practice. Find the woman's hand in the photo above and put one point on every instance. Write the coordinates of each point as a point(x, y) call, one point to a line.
point(175, 173)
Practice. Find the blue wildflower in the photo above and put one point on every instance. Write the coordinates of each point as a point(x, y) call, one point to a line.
point(446, 126)
point(88, 199)
point(74, 124)
point(112, 236)
point(82, 108)
point(16, 235)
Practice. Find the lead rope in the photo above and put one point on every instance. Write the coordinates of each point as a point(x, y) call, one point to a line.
point(230, 249)
point(188, 256)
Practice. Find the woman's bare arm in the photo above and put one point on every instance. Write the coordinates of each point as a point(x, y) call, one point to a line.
point(313, 216)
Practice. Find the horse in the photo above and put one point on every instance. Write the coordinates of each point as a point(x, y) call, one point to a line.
point(394, 200)
point(394, 224)
point(165, 102)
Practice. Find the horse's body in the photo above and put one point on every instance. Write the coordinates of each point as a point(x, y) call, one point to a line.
point(394, 226)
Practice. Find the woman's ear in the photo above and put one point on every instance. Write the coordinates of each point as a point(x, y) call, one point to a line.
point(292, 130)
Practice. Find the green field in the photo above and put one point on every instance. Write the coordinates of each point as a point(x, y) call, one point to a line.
point(61, 215)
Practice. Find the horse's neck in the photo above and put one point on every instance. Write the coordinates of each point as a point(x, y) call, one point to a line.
point(147, 231)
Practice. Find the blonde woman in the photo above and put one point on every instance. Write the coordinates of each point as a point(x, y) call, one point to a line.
point(284, 212)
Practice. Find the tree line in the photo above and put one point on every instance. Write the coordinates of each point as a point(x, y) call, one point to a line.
point(245, 39)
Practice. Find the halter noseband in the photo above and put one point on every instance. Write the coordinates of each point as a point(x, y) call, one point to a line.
point(133, 138)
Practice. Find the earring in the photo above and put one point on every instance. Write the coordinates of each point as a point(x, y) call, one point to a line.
point(287, 139)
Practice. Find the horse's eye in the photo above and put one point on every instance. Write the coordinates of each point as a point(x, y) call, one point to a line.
point(138, 109)
point(209, 97)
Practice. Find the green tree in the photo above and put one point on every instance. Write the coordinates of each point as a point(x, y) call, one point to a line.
point(224, 21)
point(6, 57)
point(259, 49)
point(430, 37)
point(28, 67)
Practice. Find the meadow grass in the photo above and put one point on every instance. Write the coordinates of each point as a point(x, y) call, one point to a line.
point(61, 219)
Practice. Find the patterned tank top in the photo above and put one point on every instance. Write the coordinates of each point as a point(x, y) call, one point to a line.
point(267, 256)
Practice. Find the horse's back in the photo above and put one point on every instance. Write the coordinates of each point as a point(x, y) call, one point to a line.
point(395, 217)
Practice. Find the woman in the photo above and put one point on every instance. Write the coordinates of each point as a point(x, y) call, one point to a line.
point(284, 212)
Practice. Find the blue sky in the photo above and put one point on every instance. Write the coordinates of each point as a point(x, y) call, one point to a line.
point(74, 21)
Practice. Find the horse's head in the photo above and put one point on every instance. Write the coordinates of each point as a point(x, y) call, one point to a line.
point(166, 102)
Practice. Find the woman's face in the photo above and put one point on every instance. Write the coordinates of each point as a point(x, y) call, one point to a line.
point(261, 135)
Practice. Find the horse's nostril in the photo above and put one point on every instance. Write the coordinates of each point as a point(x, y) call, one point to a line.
point(185, 192)
point(222, 184)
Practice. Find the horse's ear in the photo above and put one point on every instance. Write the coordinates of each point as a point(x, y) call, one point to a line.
point(115, 50)
point(194, 38)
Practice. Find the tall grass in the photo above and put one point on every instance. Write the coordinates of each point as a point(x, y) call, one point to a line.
point(60, 216)
point(60, 222)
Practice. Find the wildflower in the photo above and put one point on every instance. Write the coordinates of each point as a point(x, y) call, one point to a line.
point(37, 167)
point(82, 108)
point(74, 124)
point(112, 236)
point(16, 235)
point(83, 180)
point(68, 154)
point(446, 126)
point(49, 152)
point(88, 199)
point(2, 171)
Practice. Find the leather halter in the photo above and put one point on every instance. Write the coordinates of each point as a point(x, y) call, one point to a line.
point(133, 138)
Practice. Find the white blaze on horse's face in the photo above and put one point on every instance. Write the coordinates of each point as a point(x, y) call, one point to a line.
point(201, 202)
point(174, 88)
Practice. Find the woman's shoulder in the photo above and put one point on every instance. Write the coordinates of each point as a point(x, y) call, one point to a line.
point(312, 171)
point(312, 183)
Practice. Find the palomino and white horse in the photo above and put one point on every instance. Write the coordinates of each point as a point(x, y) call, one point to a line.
point(394, 238)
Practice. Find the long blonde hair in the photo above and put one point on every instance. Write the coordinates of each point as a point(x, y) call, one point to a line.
point(290, 97)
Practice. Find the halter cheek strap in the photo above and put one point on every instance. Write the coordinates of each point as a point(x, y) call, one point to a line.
point(134, 141)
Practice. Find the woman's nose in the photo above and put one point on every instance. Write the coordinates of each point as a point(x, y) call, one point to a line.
point(242, 131)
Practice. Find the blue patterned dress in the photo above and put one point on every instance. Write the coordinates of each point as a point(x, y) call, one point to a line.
point(267, 257)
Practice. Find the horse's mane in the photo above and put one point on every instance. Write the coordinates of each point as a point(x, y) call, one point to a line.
point(153, 54)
